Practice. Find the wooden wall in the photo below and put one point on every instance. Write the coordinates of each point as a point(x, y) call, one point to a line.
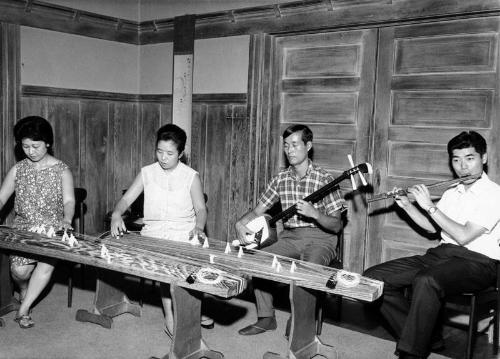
point(435, 80)
point(326, 81)
point(107, 137)
point(220, 152)
point(392, 96)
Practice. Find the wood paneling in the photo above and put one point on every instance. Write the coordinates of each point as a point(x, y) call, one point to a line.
point(220, 154)
point(318, 80)
point(459, 53)
point(95, 168)
point(62, 114)
point(434, 80)
point(322, 61)
point(107, 141)
point(470, 108)
point(10, 82)
point(319, 107)
point(105, 138)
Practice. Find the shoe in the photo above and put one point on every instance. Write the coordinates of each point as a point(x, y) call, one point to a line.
point(24, 321)
point(207, 322)
point(260, 326)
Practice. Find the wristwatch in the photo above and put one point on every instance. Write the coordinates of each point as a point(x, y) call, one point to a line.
point(432, 209)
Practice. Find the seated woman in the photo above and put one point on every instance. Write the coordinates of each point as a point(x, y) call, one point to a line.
point(174, 205)
point(44, 195)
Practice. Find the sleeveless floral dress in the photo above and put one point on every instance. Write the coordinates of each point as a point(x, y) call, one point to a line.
point(39, 199)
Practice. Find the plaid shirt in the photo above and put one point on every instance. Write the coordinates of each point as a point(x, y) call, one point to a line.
point(288, 189)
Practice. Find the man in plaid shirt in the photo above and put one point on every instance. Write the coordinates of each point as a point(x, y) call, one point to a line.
point(309, 235)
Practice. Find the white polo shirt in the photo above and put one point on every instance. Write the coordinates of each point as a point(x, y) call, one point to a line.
point(480, 204)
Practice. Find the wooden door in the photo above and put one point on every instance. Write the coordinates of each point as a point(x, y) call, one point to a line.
point(326, 81)
point(434, 81)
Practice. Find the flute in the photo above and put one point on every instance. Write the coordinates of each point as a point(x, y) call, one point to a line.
point(447, 184)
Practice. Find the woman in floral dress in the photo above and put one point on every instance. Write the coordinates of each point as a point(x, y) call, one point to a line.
point(44, 195)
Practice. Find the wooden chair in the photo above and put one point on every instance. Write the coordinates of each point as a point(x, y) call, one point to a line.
point(478, 305)
point(336, 263)
point(79, 226)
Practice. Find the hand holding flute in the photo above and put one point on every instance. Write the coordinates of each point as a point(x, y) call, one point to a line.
point(443, 184)
point(421, 194)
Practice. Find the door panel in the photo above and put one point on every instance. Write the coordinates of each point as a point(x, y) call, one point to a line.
point(434, 81)
point(326, 81)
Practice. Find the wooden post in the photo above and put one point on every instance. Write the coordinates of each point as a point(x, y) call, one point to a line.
point(182, 96)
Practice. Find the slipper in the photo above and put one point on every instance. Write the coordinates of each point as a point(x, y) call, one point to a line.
point(24, 321)
point(262, 325)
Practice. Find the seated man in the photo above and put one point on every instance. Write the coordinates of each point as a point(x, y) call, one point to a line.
point(467, 216)
point(310, 234)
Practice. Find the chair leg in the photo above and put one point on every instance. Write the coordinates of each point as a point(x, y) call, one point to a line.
point(338, 307)
point(70, 285)
point(472, 329)
point(141, 291)
point(82, 274)
point(319, 320)
point(496, 330)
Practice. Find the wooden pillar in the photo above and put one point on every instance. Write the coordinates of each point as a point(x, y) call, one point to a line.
point(182, 97)
point(9, 92)
point(10, 89)
point(9, 113)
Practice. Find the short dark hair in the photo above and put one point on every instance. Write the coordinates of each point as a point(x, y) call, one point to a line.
point(307, 135)
point(35, 128)
point(467, 139)
point(174, 133)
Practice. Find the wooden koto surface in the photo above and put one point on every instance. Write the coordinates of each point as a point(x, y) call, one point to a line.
point(124, 258)
point(256, 263)
point(173, 262)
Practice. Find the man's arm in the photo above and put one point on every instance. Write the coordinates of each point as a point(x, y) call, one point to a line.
point(461, 233)
point(332, 223)
point(414, 213)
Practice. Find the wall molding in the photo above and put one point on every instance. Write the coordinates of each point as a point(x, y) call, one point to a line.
point(271, 19)
point(46, 91)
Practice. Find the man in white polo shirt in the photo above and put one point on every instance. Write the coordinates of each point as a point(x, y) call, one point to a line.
point(467, 217)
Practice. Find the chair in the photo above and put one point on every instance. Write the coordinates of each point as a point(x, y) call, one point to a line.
point(336, 263)
point(478, 305)
point(79, 226)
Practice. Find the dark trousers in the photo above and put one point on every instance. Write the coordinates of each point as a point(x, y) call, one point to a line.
point(307, 244)
point(444, 270)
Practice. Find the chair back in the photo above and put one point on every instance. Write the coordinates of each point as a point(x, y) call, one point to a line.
point(339, 261)
point(80, 209)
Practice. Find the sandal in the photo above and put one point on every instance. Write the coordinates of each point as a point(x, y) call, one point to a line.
point(24, 321)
